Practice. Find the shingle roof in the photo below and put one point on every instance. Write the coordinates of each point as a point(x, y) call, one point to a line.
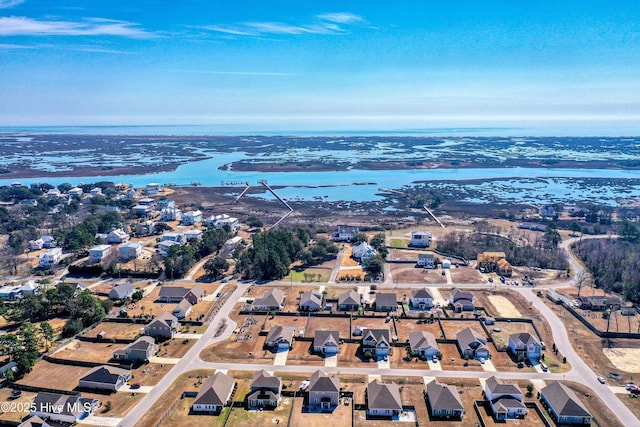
point(105, 374)
point(283, 333)
point(215, 390)
point(142, 343)
point(263, 379)
point(377, 334)
point(421, 293)
point(350, 297)
point(564, 401)
point(271, 298)
point(184, 305)
point(386, 299)
point(466, 336)
point(34, 421)
point(165, 318)
point(323, 337)
point(173, 291)
point(311, 297)
point(385, 396)
point(523, 338)
point(321, 382)
point(506, 403)
point(442, 396)
point(422, 339)
point(496, 386)
point(121, 291)
point(457, 294)
point(67, 405)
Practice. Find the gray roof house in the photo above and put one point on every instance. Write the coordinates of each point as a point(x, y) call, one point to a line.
point(105, 377)
point(472, 344)
point(376, 341)
point(140, 350)
point(62, 408)
point(324, 391)
point(444, 401)
point(564, 404)
point(462, 300)
point(505, 399)
point(265, 391)
point(183, 309)
point(524, 343)
point(10, 366)
point(386, 301)
point(272, 300)
point(121, 292)
point(280, 338)
point(326, 342)
point(311, 301)
point(423, 344)
point(34, 421)
point(349, 301)
point(178, 293)
point(163, 326)
point(421, 299)
point(383, 399)
point(215, 394)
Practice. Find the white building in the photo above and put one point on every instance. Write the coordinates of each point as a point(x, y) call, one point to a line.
point(130, 250)
point(76, 192)
point(99, 252)
point(232, 243)
point(96, 191)
point(174, 237)
point(118, 236)
point(50, 258)
point(193, 235)
point(420, 239)
point(165, 245)
point(219, 221)
point(152, 189)
point(192, 217)
point(170, 214)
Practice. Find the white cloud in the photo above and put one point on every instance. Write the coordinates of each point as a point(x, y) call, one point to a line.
point(22, 26)
point(233, 73)
point(5, 4)
point(341, 18)
point(14, 46)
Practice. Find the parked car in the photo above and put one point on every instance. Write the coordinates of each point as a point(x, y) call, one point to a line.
point(601, 380)
point(481, 360)
point(136, 386)
point(434, 359)
point(629, 386)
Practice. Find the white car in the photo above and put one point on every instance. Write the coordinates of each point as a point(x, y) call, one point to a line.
point(481, 360)
point(601, 380)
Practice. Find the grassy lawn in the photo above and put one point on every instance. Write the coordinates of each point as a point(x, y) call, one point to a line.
point(320, 275)
point(399, 243)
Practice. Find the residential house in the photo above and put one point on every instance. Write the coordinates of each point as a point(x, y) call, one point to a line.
point(362, 251)
point(142, 211)
point(326, 342)
point(54, 193)
point(219, 221)
point(130, 250)
point(600, 303)
point(265, 391)
point(272, 300)
point(421, 299)
point(44, 242)
point(193, 235)
point(36, 245)
point(505, 399)
point(95, 191)
point(192, 217)
point(50, 258)
point(547, 211)
point(280, 338)
point(462, 300)
point(427, 260)
point(420, 239)
point(131, 194)
point(170, 214)
point(101, 238)
point(152, 189)
point(564, 405)
point(99, 252)
point(345, 233)
point(324, 391)
point(166, 203)
point(11, 366)
point(383, 400)
point(423, 344)
point(311, 301)
point(488, 261)
point(141, 350)
point(386, 301)
point(118, 236)
point(145, 228)
point(504, 268)
point(215, 394)
point(29, 288)
point(76, 192)
point(533, 226)
point(163, 326)
point(105, 377)
point(34, 421)
point(148, 201)
point(122, 291)
point(525, 344)
point(62, 408)
point(472, 344)
point(376, 341)
point(183, 309)
point(164, 247)
point(178, 293)
point(10, 293)
point(446, 264)
point(444, 401)
point(174, 237)
point(349, 301)
point(232, 243)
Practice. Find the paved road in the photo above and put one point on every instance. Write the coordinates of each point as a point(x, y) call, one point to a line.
point(185, 364)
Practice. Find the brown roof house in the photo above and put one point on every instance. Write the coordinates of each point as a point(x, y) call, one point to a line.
point(105, 377)
point(183, 309)
point(272, 300)
point(324, 392)
point(163, 326)
point(472, 344)
point(444, 401)
point(505, 399)
point(386, 301)
point(177, 293)
point(215, 394)
point(141, 350)
point(265, 391)
point(311, 301)
point(280, 338)
point(421, 299)
point(349, 301)
point(383, 400)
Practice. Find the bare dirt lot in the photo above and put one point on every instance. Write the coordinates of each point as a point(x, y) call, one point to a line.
point(340, 324)
point(452, 327)
point(53, 375)
point(87, 351)
point(451, 359)
point(625, 359)
point(116, 330)
point(19, 407)
point(503, 306)
point(121, 403)
point(175, 347)
point(404, 273)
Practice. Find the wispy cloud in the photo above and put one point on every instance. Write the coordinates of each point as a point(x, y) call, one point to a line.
point(23, 26)
point(327, 23)
point(233, 73)
point(6, 4)
point(15, 46)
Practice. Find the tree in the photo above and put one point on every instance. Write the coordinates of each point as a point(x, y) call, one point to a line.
point(529, 389)
point(575, 228)
point(47, 333)
point(629, 231)
point(254, 222)
point(216, 267)
point(359, 238)
point(378, 240)
point(551, 236)
point(374, 265)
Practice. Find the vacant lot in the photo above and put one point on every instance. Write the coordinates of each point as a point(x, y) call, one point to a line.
point(503, 306)
point(117, 330)
point(409, 273)
point(87, 351)
point(51, 375)
point(341, 416)
point(298, 322)
point(231, 350)
point(175, 347)
point(340, 324)
point(452, 327)
point(181, 416)
point(313, 274)
point(121, 403)
point(240, 417)
point(300, 354)
point(625, 359)
point(22, 402)
point(465, 275)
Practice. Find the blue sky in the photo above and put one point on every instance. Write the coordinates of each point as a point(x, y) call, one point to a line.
point(543, 67)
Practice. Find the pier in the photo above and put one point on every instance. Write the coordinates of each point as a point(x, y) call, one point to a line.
point(284, 202)
point(433, 216)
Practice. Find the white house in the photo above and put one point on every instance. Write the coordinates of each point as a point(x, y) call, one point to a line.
point(50, 258)
point(345, 233)
point(75, 192)
point(118, 236)
point(232, 243)
point(99, 252)
point(170, 214)
point(105, 377)
point(174, 237)
point(421, 239)
point(219, 221)
point(363, 251)
point(130, 250)
point(165, 246)
point(142, 210)
point(215, 394)
point(192, 217)
point(152, 189)
point(193, 235)
point(427, 260)
point(95, 191)
point(423, 344)
point(36, 245)
point(62, 408)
